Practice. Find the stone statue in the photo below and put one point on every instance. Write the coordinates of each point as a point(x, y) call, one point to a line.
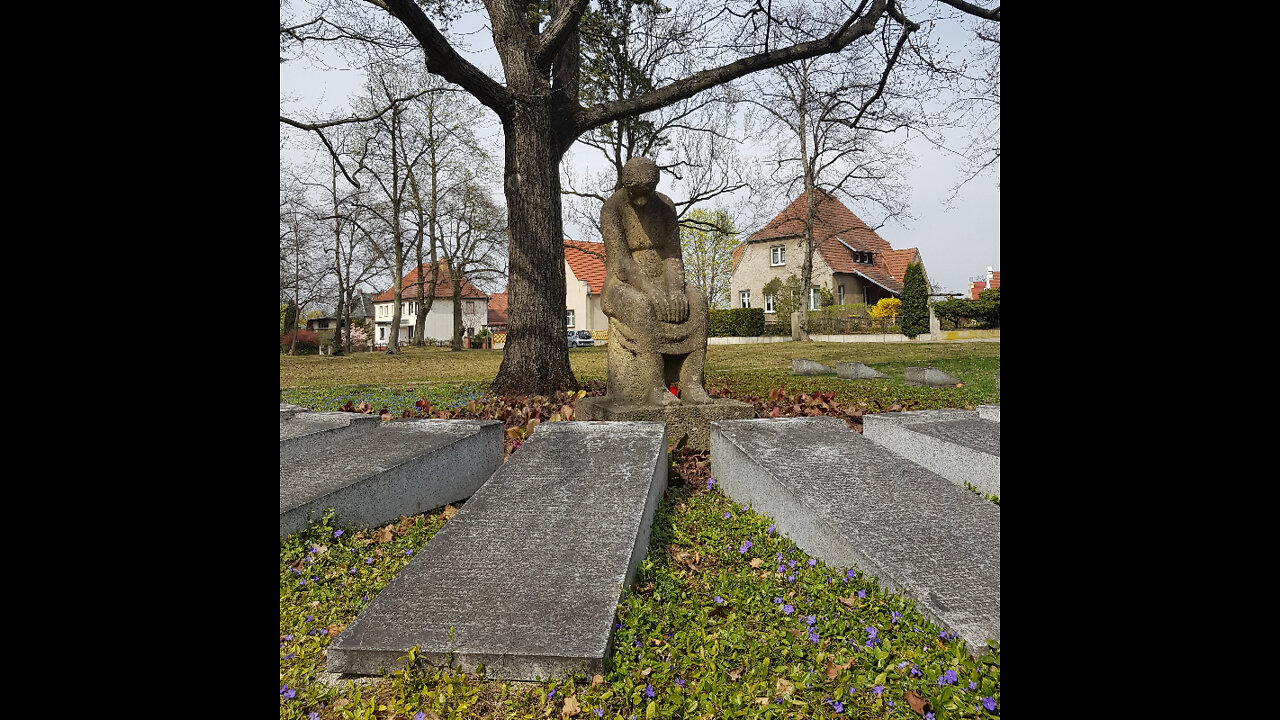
point(657, 322)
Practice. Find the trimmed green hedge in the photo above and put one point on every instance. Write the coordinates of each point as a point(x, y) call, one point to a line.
point(736, 322)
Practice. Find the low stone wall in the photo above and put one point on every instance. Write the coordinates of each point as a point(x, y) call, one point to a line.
point(867, 337)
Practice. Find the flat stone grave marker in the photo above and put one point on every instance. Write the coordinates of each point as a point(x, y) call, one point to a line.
point(526, 578)
point(800, 366)
point(989, 412)
point(932, 377)
point(303, 431)
point(401, 467)
point(857, 371)
point(957, 444)
point(852, 503)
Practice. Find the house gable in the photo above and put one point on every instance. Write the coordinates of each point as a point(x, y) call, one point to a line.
point(586, 262)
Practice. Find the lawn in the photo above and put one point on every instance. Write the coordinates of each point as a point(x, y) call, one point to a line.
point(727, 619)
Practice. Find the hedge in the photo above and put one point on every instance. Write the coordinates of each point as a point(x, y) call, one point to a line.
point(736, 322)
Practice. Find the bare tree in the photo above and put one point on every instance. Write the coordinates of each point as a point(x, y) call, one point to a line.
point(477, 230)
point(539, 103)
point(301, 264)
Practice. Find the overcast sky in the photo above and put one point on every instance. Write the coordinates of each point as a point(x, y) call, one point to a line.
point(957, 239)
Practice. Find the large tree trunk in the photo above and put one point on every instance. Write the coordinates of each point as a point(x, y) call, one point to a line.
point(535, 360)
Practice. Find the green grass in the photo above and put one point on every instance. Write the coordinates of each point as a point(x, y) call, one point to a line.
point(739, 656)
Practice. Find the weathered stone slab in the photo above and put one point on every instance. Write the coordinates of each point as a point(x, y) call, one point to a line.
point(857, 371)
point(303, 432)
point(933, 377)
point(526, 578)
point(997, 382)
point(800, 366)
point(693, 420)
point(957, 444)
point(989, 412)
point(852, 503)
point(397, 468)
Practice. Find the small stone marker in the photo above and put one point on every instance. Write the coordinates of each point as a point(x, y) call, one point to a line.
point(800, 366)
point(303, 432)
point(690, 420)
point(957, 444)
point(933, 377)
point(852, 503)
point(857, 371)
point(397, 468)
point(526, 578)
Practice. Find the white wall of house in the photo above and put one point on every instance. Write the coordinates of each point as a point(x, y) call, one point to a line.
point(587, 314)
point(756, 269)
point(439, 325)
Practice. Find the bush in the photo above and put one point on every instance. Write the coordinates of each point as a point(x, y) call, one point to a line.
point(915, 302)
point(308, 343)
point(736, 322)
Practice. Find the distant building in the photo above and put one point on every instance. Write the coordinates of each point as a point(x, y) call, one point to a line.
point(439, 323)
point(977, 285)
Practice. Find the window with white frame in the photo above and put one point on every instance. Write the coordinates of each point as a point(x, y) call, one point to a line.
point(744, 298)
point(813, 298)
point(840, 293)
point(778, 255)
point(569, 317)
point(382, 333)
point(768, 303)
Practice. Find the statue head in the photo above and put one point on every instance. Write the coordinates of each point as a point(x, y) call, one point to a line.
point(640, 178)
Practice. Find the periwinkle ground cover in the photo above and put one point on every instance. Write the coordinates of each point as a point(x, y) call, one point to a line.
point(726, 618)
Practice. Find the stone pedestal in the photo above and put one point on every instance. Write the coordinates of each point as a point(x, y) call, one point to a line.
point(685, 419)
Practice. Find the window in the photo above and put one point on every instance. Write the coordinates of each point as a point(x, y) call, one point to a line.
point(778, 255)
point(569, 317)
point(744, 298)
point(768, 303)
point(813, 298)
point(382, 333)
point(840, 293)
point(410, 332)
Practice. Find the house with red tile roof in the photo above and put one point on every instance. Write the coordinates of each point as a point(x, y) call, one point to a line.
point(439, 322)
point(498, 311)
point(849, 259)
point(584, 281)
point(977, 285)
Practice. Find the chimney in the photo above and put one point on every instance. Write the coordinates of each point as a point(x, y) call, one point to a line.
point(990, 276)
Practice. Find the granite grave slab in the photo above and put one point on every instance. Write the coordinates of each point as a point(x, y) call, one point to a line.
point(526, 578)
point(303, 431)
point(852, 503)
point(957, 444)
point(802, 366)
point(397, 468)
point(857, 371)
point(989, 412)
point(931, 377)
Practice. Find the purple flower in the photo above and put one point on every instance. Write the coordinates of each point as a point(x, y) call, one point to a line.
point(419, 715)
point(598, 712)
point(295, 652)
point(915, 671)
point(891, 703)
point(744, 508)
point(791, 563)
point(871, 631)
point(928, 716)
point(408, 552)
point(288, 637)
point(947, 678)
point(287, 692)
point(710, 482)
point(813, 635)
point(812, 562)
point(973, 686)
point(989, 703)
point(353, 571)
point(313, 716)
point(849, 574)
point(368, 561)
point(648, 690)
point(877, 689)
point(777, 601)
point(680, 682)
point(862, 593)
point(746, 545)
point(837, 706)
point(719, 600)
point(895, 616)
point(770, 529)
point(787, 609)
point(727, 516)
point(810, 620)
point(780, 569)
point(551, 694)
point(337, 533)
point(902, 664)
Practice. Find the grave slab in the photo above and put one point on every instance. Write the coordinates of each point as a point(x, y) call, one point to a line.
point(989, 412)
point(852, 503)
point(684, 419)
point(801, 366)
point(398, 468)
point(932, 377)
point(526, 578)
point(303, 432)
point(857, 371)
point(957, 444)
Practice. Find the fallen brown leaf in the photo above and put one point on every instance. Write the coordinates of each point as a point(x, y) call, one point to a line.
point(918, 704)
point(340, 702)
point(383, 534)
point(762, 701)
point(645, 672)
point(756, 562)
point(851, 601)
point(597, 680)
point(335, 628)
point(449, 512)
point(833, 669)
point(570, 707)
point(736, 673)
point(784, 687)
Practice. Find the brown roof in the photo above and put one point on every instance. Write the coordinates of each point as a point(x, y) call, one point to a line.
point(995, 278)
point(837, 233)
point(586, 260)
point(444, 285)
point(498, 308)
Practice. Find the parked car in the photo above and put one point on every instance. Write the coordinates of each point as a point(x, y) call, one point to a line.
point(581, 338)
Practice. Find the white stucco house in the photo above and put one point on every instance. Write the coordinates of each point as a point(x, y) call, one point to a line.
point(439, 324)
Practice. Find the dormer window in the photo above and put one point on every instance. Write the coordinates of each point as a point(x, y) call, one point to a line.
point(860, 256)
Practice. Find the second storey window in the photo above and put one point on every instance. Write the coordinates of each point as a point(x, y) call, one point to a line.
point(778, 255)
point(744, 298)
